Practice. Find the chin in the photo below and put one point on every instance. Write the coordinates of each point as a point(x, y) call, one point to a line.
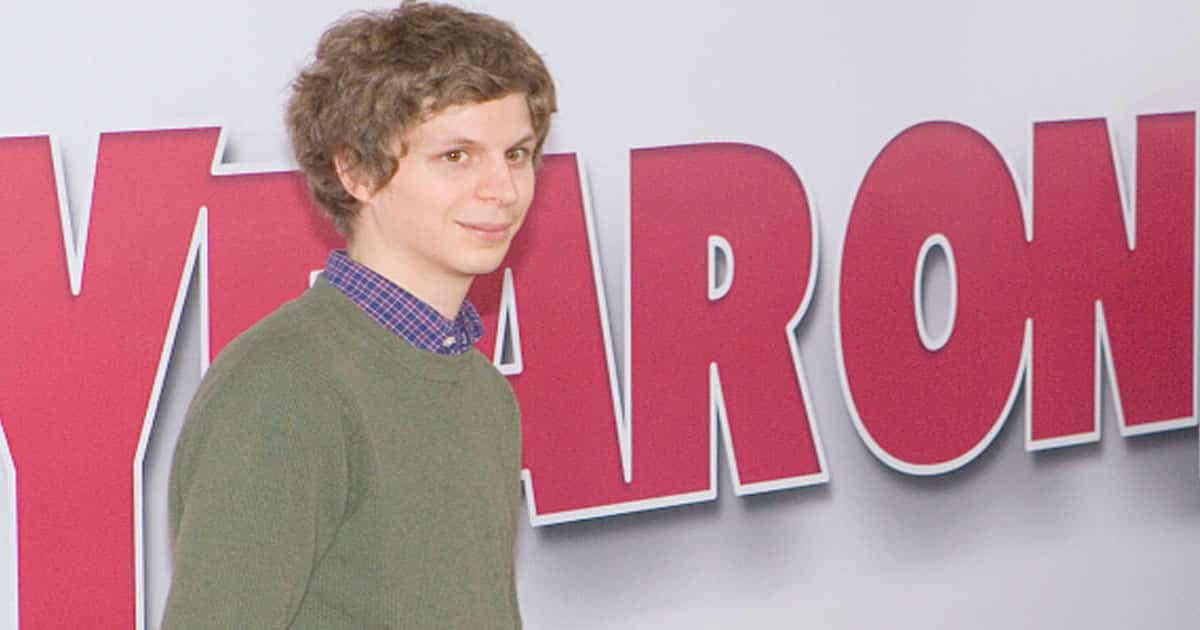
point(482, 267)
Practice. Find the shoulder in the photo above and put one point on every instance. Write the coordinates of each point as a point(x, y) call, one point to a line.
point(293, 348)
point(296, 331)
point(489, 388)
point(271, 380)
point(486, 377)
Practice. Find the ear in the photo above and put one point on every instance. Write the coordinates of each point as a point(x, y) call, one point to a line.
point(353, 180)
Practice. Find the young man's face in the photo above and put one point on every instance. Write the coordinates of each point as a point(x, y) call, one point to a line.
point(459, 195)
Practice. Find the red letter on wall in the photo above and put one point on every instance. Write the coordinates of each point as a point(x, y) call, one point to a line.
point(1112, 280)
point(921, 407)
point(698, 362)
point(1095, 279)
point(82, 373)
point(690, 334)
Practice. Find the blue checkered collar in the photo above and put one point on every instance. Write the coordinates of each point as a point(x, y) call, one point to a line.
point(402, 312)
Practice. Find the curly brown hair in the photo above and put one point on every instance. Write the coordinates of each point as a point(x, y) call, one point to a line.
point(379, 74)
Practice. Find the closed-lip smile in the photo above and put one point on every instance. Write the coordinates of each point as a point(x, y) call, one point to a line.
point(486, 230)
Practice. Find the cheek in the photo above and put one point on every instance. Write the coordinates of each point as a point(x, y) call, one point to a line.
point(526, 189)
point(449, 192)
point(430, 199)
point(525, 185)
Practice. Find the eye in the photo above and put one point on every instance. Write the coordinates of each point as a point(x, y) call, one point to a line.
point(456, 156)
point(517, 155)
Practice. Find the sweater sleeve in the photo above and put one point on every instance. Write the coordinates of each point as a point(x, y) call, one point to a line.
point(259, 484)
point(516, 607)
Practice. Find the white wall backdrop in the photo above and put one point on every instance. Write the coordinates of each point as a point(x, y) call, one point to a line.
point(1104, 535)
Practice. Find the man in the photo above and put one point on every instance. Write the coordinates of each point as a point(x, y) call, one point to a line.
point(351, 461)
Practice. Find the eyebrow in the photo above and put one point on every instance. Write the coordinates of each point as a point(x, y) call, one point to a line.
point(526, 139)
point(470, 142)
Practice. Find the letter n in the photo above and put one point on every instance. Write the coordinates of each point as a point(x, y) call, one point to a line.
point(1113, 279)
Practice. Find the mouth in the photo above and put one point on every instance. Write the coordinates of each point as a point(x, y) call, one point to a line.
point(486, 231)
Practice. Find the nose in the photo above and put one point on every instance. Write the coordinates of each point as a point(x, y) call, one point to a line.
point(497, 183)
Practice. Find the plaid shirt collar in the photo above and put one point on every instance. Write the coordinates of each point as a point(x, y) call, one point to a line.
point(402, 312)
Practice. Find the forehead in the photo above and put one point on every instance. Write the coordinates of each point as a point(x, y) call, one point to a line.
point(505, 119)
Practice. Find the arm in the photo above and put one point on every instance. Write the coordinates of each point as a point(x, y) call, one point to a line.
point(258, 486)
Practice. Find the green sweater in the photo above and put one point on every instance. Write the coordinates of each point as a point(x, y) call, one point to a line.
point(330, 475)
